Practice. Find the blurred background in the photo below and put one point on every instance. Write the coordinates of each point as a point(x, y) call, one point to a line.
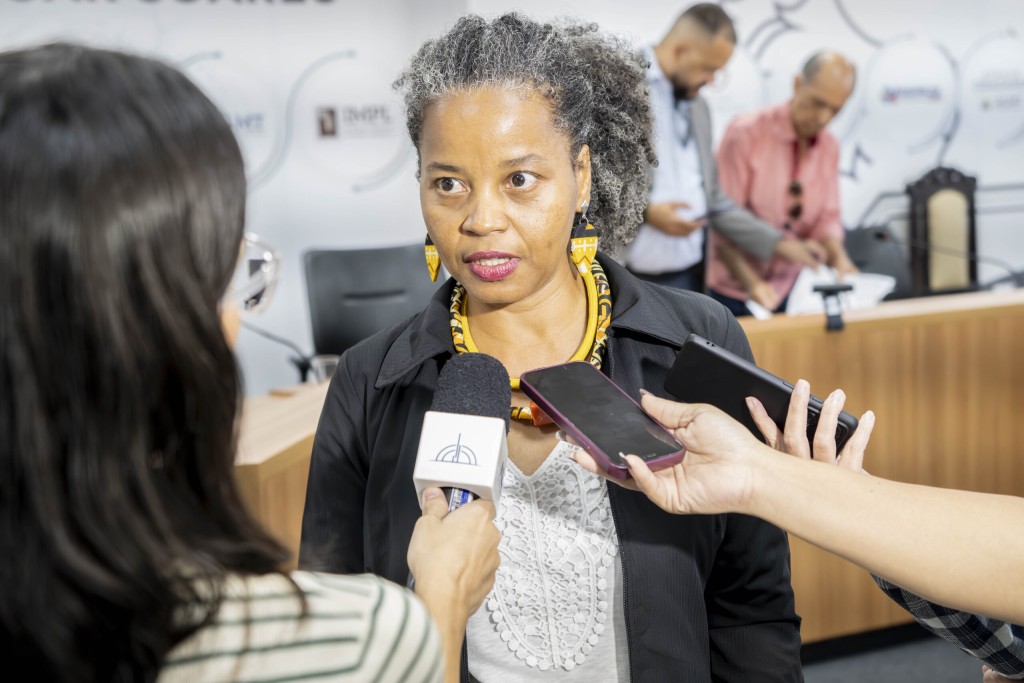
point(306, 85)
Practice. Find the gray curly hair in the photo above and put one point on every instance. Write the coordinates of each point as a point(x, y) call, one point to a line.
point(595, 83)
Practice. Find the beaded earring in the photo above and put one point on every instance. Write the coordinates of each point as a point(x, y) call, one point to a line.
point(583, 242)
point(433, 259)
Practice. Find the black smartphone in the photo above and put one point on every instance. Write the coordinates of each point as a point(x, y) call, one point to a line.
point(706, 373)
point(601, 417)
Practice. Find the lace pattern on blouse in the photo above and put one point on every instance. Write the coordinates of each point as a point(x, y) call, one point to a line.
point(550, 601)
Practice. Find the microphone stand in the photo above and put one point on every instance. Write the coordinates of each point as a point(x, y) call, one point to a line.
point(301, 361)
point(833, 307)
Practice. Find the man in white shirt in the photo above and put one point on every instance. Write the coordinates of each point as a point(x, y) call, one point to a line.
point(685, 195)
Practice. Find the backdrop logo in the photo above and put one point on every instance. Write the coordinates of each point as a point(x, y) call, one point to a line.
point(913, 93)
point(327, 121)
point(999, 89)
point(1002, 102)
point(247, 123)
point(249, 105)
point(347, 123)
point(357, 121)
point(999, 79)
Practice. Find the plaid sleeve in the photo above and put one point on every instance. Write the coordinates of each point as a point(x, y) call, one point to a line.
point(998, 644)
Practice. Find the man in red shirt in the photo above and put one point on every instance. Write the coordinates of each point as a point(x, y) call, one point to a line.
point(782, 165)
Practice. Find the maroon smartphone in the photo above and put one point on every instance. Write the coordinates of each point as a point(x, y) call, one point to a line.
point(600, 417)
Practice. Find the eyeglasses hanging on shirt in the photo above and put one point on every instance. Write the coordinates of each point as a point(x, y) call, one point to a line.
point(796, 194)
point(795, 190)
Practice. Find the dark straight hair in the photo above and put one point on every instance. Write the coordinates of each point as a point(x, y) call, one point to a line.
point(122, 196)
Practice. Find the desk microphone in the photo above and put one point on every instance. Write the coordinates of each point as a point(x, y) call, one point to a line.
point(463, 445)
point(301, 360)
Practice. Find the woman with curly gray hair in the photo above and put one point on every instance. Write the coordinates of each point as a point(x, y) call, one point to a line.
point(534, 141)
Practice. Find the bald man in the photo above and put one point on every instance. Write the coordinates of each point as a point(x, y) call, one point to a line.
point(685, 195)
point(783, 165)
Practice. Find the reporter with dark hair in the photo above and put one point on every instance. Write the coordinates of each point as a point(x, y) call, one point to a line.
point(128, 553)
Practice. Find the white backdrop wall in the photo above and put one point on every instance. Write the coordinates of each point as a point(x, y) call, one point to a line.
point(941, 82)
point(276, 69)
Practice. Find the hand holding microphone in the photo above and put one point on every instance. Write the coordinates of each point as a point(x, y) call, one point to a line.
point(453, 553)
point(454, 556)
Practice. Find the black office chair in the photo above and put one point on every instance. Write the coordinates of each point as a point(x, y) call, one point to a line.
point(354, 293)
point(874, 249)
point(943, 232)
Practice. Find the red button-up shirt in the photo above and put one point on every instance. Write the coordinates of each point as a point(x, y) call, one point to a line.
point(756, 167)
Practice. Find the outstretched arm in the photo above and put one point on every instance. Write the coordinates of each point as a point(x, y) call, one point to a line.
point(913, 536)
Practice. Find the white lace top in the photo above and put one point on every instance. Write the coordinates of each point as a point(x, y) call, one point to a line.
point(555, 612)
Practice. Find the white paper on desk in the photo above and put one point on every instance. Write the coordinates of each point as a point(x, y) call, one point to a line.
point(868, 290)
point(757, 310)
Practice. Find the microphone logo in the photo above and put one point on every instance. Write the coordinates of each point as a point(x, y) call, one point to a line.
point(457, 453)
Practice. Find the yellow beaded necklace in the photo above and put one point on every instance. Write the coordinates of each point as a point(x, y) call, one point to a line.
point(599, 316)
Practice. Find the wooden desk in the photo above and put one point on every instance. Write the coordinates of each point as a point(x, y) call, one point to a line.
point(275, 442)
point(945, 377)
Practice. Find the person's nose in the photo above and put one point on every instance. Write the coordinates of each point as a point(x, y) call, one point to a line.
point(487, 214)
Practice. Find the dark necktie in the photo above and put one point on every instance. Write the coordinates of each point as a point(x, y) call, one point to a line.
point(683, 122)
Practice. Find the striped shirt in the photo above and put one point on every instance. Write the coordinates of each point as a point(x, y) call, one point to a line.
point(357, 628)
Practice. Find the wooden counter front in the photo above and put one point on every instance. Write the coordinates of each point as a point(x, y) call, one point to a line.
point(275, 442)
point(945, 378)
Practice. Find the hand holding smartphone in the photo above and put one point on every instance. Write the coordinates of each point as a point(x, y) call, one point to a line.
point(601, 417)
point(706, 373)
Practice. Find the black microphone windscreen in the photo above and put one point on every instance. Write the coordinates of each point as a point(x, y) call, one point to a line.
point(474, 384)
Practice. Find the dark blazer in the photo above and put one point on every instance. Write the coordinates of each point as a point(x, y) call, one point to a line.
point(706, 597)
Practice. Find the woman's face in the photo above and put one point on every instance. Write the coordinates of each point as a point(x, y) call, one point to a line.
point(499, 189)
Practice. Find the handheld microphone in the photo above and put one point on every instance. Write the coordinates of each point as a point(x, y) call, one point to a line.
point(463, 446)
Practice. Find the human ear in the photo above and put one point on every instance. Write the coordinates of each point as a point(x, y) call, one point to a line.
point(230, 322)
